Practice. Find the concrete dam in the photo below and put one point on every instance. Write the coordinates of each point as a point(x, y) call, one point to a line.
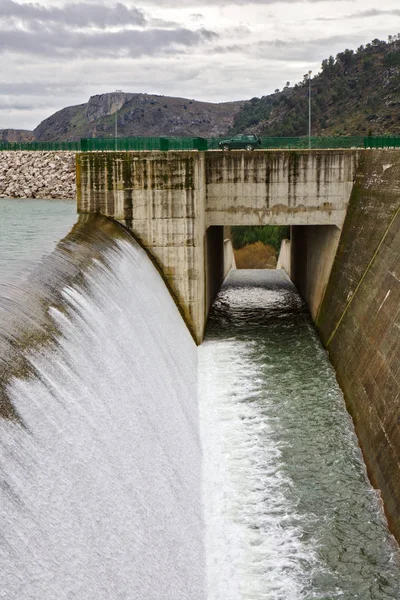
point(343, 210)
point(177, 204)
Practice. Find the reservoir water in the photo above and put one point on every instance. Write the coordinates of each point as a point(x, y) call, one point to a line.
point(133, 464)
point(30, 229)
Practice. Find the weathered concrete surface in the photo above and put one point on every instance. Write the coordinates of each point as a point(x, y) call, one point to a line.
point(160, 197)
point(229, 257)
point(170, 200)
point(285, 257)
point(313, 250)
point(37, 175)
point(214, 263)
point(279, 187)
point(359, 320)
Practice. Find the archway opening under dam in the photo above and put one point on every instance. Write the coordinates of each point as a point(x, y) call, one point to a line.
point(257, 247)
point(172, 201)
point(305, 252)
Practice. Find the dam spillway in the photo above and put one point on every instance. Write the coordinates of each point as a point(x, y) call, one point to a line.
point(100, 442)
point(99, 435)
point(343, 208)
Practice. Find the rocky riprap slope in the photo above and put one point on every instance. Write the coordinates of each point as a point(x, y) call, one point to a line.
point(37, 175)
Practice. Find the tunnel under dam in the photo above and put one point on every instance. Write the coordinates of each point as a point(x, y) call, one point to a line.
point(343, 210)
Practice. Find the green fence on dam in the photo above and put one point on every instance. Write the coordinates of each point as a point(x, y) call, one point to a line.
point(143, 143)
point(382, 142)
point(126, 144)
point(41, 146)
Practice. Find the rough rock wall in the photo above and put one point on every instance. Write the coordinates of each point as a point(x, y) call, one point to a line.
point(103, 105)
point(37, 175)
point(359, 320)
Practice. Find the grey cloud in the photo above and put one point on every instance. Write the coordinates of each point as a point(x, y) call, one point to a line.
point(37, 88)
point(65, 42)
point(13, 106)
point(241, 29)
point(292, 50)
point(17, 89)
point(373, 12)
point(81, 14)
point(178, 3)
point(163, 24)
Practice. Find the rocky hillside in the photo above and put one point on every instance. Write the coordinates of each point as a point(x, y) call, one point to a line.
point(138, 115)
point(16, 135)
point(356, 93)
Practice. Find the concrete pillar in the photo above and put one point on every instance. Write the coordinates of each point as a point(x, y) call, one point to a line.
point(313, 250)
point(159, 196)
point(214, 262)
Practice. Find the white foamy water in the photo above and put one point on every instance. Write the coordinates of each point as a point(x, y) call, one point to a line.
point(253, 543)
point(100, 482)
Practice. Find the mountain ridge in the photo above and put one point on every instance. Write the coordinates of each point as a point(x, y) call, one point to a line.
point(355, 93)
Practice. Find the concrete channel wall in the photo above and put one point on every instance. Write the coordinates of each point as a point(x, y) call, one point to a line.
point(313, 250)
point(359, 320)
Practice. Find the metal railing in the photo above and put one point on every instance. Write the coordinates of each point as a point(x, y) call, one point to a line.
point(126, 144)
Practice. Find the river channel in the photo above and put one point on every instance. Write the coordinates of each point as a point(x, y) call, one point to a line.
point(290, 513)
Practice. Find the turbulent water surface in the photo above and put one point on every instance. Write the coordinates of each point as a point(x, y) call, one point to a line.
point(290, 513)
point(99, 443)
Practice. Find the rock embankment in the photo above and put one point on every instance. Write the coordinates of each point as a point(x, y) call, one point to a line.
point(37, 175)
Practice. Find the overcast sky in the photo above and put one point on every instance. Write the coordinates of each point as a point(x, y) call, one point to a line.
point(56, 53)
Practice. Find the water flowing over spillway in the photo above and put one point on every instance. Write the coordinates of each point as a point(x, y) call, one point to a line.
point(290, 514)
point(135, 466)
point(100, 453)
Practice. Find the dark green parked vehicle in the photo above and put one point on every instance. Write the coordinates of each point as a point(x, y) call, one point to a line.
point(240, 142)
